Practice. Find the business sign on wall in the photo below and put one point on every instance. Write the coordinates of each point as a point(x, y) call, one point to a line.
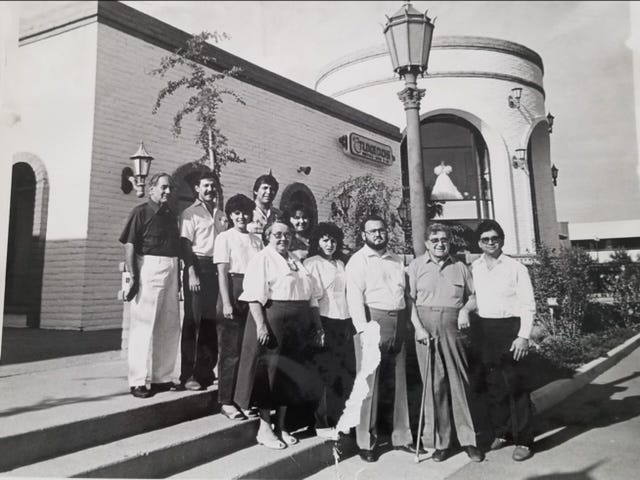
point(367, 149)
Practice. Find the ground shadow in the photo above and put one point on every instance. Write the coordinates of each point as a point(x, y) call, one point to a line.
point(583, 474)
point(57, 402)
point(591, 407)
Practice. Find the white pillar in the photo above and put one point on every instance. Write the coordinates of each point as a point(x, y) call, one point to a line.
point(633, 42)
point(8, 119)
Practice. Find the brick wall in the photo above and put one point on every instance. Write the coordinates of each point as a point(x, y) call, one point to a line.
point(270, 131)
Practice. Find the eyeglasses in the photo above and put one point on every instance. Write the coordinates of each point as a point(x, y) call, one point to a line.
point(281, 235)
point(487, 240)
point(381, 231)
point(436, 241)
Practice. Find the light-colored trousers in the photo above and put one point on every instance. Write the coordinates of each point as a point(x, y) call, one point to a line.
point(366, 431)
point(447, 413)
point(154, 331)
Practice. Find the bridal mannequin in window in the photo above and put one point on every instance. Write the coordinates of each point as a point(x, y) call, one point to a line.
point(444, 189)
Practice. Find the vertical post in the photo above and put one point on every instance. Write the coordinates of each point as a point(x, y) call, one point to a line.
point(410, 98)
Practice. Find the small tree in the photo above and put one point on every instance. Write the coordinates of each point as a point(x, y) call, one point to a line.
point(364, 195)
point(206, 96)
point(623, 284)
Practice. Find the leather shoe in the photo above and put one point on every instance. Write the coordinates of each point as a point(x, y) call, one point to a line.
point(521, 452)
point(141, 392)
point(162, 387)
point(498, 443)
point(367, 455)
point(441, 455)
point(474, 453)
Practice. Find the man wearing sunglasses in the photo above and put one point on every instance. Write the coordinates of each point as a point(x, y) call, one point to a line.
point(506, 306)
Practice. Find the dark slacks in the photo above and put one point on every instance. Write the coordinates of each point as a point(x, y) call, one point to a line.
point(199, 344)
point(230, 334)
point(335, 366)
point(505, 381)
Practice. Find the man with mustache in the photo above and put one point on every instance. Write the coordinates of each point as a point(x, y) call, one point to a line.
point(152, 245)
point(375, 279)
point(200, 224)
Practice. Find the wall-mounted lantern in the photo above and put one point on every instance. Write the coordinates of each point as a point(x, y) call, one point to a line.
point(135, 178)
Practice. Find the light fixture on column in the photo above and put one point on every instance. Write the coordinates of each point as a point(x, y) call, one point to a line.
point(550, 119)
point(408, 34)
point(514, 97)
point(554, 175)
point(136, 177)
point(519, 160)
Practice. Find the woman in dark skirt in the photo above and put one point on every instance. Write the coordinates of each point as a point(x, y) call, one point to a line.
point(335, 362)
point(279, 290)
point(232, 251)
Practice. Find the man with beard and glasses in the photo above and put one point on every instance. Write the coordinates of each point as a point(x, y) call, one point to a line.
point(152, 245)
point(199, 226)
point(376, 283)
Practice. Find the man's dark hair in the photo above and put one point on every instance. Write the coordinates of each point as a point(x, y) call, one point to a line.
point(240, 203)
point(268, 179)
point(373, 218)
point(205, 175)
point(326, 229)
point(488, 225)
point(437, 227)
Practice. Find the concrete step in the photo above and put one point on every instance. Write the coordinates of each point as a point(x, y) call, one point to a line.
point(57, 411)
point(310, 455)
point(155, 454)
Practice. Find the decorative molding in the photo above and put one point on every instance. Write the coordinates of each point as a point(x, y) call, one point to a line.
point(410, 97)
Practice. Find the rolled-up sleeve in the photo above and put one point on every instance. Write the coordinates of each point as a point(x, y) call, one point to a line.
point(187, 226)
point(255, 287)
point(221, 249)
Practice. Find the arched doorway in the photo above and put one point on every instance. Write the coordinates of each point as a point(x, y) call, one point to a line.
point(184, 179)
point(23, 273)
point(300, 193)
point(457, 175)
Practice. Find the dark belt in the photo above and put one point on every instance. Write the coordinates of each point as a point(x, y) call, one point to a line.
point(238, 275)
point(203, 258)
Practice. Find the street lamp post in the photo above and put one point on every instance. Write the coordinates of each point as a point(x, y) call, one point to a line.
point(408, 34)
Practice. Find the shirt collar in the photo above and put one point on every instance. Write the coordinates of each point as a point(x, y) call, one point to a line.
point(154, 206)
point(370, 252)
point(428, 259)
point(483, 258)
point(200, 202)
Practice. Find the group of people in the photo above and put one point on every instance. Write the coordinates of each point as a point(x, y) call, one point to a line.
point(292, 325)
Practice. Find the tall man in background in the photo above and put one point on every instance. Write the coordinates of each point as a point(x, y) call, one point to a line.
point(151, 240)
point(199, 225)
point(265, 189)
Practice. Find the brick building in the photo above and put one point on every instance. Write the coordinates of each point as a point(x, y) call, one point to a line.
point(77, 127)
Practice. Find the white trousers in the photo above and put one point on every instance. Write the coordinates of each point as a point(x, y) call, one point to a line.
point(154, 331)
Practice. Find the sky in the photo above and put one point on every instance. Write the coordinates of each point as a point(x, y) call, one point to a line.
point(588, 77)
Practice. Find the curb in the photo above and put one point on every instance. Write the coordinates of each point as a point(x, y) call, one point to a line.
point(553, 393)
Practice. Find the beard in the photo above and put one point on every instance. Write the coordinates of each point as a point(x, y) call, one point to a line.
point(377, 247)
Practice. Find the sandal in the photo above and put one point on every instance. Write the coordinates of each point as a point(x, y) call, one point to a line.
point(232, 413)
point(273, 442)
point(250, 412)
point(288, 438)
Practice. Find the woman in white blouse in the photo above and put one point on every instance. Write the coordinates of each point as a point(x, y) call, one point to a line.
point(280, 291)
point(232, 251)
point(335, 363)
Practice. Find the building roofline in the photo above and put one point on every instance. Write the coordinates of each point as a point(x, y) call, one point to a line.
point(156, 32)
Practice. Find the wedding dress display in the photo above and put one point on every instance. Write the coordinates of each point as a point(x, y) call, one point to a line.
point(444, 189)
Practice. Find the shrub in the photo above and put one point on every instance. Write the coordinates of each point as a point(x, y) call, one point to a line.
point(623, 284)
point(563, 275)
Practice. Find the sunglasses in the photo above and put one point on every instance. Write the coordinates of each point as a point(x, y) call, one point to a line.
point(487, 240)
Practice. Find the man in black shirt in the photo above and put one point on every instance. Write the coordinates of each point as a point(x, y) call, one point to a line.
point(151, 238)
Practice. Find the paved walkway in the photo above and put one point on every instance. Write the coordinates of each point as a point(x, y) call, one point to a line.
point(592, 435)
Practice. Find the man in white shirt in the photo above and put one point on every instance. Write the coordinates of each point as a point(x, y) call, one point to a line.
point(199, 225)
point(376, 285)
point(506, 306)
point(265, 189)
